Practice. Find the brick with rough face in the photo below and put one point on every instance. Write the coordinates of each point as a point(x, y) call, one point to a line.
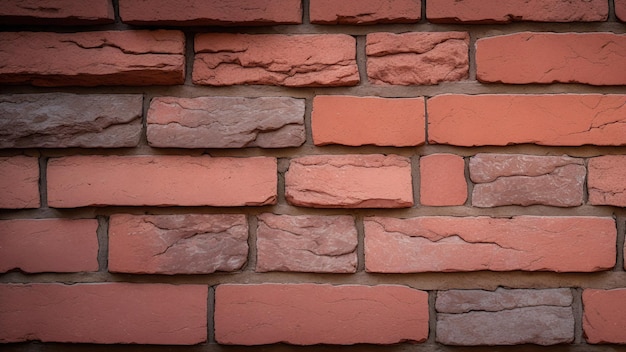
point(19, 182)
point(57, 12)
point(607, 180)
point(364, 12)
point(620, 9)
point(442, 180)
point(604, 316)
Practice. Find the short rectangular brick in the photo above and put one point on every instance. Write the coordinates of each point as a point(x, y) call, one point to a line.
point(604, 316)
point(57, 12)
point(349, 181)
point(530, 57)
point(306, 60)
point(78, 181)
point(104, 313)
point(356, 121)
point(620, 9)
point(364, 12)
point(177, 244)
point(226, 122)
point(442, 180)
point(60, 120)
point(528, 243)
point(308, 314)
point(551, 119)
point(19, 182)
point(49, 245)
point(97, 58)
point(606, 181)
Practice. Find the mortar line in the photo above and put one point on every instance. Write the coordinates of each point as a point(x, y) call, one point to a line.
point(210, 316)
point(432, 317)
point(103, 243)
point(252, 237)
point(43, 181)
point(415, 179)
point(360, 248)
point(189, 57)
point(361, 59)
point(621, 237)
point(577, 310)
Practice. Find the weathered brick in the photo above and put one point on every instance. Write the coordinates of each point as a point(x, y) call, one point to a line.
point(442, 180)
point(349, 181)
point(177, 244)
point(559, 120)
point(226, 122)
point(417, 57)
point(357, 121)
point(77, 181)
point(104, 313)
point(505, 179)
point(59, 120)
point(93, 58)
point(308, 60)
point(57, 12)
point(49, 245)
point(210, 13)
point(620, 9)
point(306, 243)
point(607, 180)
point(307, 314)
point(528, 57)
point(364, 12)
point(494, 11)
point(505, 317)
point(529, 243)
point(19, 182)
point(604, 315)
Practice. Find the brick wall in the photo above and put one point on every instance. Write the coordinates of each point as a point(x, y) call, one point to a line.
point(397, 175)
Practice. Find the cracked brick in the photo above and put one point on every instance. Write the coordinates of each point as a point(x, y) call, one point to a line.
point(19, 182)
point(604, 316)
point(57, 12)
point(607, 181)
point(364, 12)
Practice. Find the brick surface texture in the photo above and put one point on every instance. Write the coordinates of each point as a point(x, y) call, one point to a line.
point(361, 175)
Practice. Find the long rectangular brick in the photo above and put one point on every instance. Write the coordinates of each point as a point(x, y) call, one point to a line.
point(606, 181)
point(529, 57)
point(93, 58)
point(104, 313)
point(308, 314)
point(604, 316)
point(19, 182)
point(364, 12)
point(552, 119)
point(529, 243)
point(77, 181)
point(307, 60)
point(60, 120)
point(57, 12)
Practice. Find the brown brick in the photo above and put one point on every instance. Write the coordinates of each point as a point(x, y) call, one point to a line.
point(604, 316)
point(19, 182)
point(364, 12)
point(57, 12)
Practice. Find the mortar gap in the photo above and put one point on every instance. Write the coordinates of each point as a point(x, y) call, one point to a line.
point(577, 310)
point(252, 237)
point(360, 248)
point(116, 11)
point(621, 237)
point(423, 18)
point(211, 316)
point(472, 57)
point(416, 179)
point(43, 181)
point(189, 57)
point(103, 243)
point(306, 18)
point(361, 59)
point(432, 317)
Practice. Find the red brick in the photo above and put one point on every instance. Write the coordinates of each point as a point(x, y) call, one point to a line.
point(620, 9)
point(104, 313)
point(177, 244)
point(308, 60)
point(77, 181)
point(307, 314)
point(494, 11)
point(417, 57)
point(520, 58)
point(49, 245)
point(529, 243)
point(364, 12)
point(57, 12)
point(604, 316)
point(607, 180)
point(442, 180)
point(211, 13)
point(559, 120)
point(349, 181)
point(93, 58)
point(19, 182)
point(359, 121)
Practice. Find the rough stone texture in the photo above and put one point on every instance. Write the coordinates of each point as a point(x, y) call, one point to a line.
point(349, 181)
point(442, 180)
point(505, 179)
point(177, 244)
point(604, 316)
point(607, 180)
point(59, 120)
point(505, 317)
point(49, 245)
point(19, 182)
point(313, 60)
point(364, 12)
point(57, 12)
point(529, 243)
point(104, 313)
point(307, 314)
point(306, 243)
point(620, 9)
point(356, 121)
point(226, 122)
point(559, 120)
point(417, 58)
point(527, 57)
point(93, 58)
point(210, 13)
point(77, 181)
point(495, 11)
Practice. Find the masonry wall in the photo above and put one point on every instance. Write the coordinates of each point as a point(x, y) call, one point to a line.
point(396, 175)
